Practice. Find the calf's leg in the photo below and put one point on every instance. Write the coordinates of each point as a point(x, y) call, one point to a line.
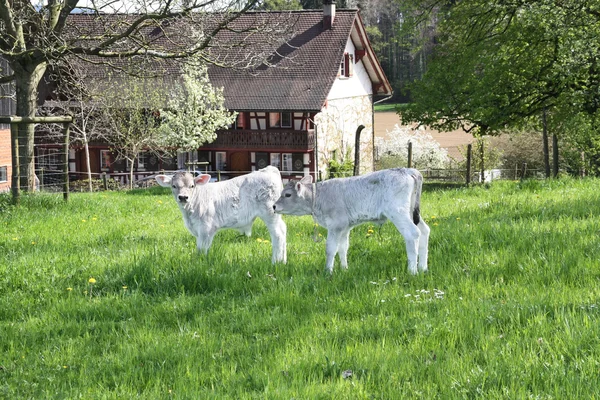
point(423, 245)
point(343, 245)
point(278, 231)
point(411, 234)
point(331, 248)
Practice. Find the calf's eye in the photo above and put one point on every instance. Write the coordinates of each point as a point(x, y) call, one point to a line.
point(288, 195)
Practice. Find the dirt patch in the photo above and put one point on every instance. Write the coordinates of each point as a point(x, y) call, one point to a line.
point(452, 141)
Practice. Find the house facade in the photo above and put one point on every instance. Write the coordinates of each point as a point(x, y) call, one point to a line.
point(5, 158)
point(298, 113)
point(7, 107)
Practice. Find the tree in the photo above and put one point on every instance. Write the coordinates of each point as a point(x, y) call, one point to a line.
point(497, 64)
point(195, 111)
point(74, 95)
point(36, 36)
point(131, 121)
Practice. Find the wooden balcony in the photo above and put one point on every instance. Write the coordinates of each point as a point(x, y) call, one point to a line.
point(266, 139)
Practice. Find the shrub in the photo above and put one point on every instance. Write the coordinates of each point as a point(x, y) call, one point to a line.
point(426, 151)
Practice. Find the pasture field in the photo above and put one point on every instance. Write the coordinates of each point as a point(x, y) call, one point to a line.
point(104, 297)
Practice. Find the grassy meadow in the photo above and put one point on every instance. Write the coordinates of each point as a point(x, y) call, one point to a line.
point(105, 297)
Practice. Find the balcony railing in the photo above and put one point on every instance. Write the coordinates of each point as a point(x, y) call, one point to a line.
point(270, 139)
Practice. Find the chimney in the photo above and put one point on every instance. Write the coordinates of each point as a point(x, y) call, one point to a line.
point(328, 13)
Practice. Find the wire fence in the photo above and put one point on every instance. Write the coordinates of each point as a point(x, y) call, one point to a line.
point(57, 170)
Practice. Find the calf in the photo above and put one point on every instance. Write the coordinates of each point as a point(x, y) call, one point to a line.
point(235, 203)
point(343, 203)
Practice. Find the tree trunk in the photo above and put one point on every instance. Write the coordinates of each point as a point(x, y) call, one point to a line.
point(27, 79)
point(131, 165)
point(545, 145)
point(554, 155)
point(87, 161)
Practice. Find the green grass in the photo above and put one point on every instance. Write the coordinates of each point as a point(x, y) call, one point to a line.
point(388, 107)
point(509, 309)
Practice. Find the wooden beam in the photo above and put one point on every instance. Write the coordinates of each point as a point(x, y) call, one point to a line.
point(34, 120)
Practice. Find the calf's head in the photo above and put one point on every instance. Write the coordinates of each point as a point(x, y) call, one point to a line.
point(296, 198)
point(182, 184)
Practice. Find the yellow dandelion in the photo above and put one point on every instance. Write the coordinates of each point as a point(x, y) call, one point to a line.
point(432, 217)
point(124, 287)
point(92, 281)
point(160, 202)
point(370, 231)
point(65, 366)
point(435, 224)
point(458, 218)
point(15, 238)
point(259, 240)
point(94, 219)
point(69, 289)
point(83, 220)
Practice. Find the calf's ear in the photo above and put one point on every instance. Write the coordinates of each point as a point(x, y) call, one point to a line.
point(163, 180)
point(202, 179)
point(307, 180)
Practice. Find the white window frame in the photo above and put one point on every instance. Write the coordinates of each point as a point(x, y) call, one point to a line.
point(141, 161)
point(276, 160)
point(3, 173)
point(286, 162)
point(220, 160)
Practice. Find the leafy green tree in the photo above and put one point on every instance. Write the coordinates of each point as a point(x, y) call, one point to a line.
point(497, 65)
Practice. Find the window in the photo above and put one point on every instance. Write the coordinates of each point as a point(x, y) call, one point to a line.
point(104, 160)
point(280, 120)
point(286, 162)
point(286, 120)
point(347, 66)
point(220, 160)
point(49, 159)
point(3, 174)
point(142, 161)
point(276, 160)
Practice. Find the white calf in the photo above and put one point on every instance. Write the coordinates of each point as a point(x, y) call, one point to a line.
point(235, 203)
point(343, 203)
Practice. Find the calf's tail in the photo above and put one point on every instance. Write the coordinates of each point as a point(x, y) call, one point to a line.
point(416, 197)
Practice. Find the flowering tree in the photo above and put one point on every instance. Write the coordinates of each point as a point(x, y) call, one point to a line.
point(426, 152)
point(195, 111)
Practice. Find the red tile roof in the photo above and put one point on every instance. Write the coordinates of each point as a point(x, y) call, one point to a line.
point(302, 58)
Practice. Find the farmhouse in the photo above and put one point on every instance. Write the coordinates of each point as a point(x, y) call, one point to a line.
point(298, 113)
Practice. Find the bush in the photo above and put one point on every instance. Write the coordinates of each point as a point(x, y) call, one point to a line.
point(426, 151)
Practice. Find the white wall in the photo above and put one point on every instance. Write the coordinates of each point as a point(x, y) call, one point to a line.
point(349, 104)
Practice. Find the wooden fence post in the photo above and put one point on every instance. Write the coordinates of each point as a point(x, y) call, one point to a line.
point(66, 126)
point(409, 164)
point(357, 150)
point(469, 158)
point(104, 181)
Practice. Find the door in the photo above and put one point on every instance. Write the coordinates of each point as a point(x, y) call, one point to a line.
point(240, 162)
